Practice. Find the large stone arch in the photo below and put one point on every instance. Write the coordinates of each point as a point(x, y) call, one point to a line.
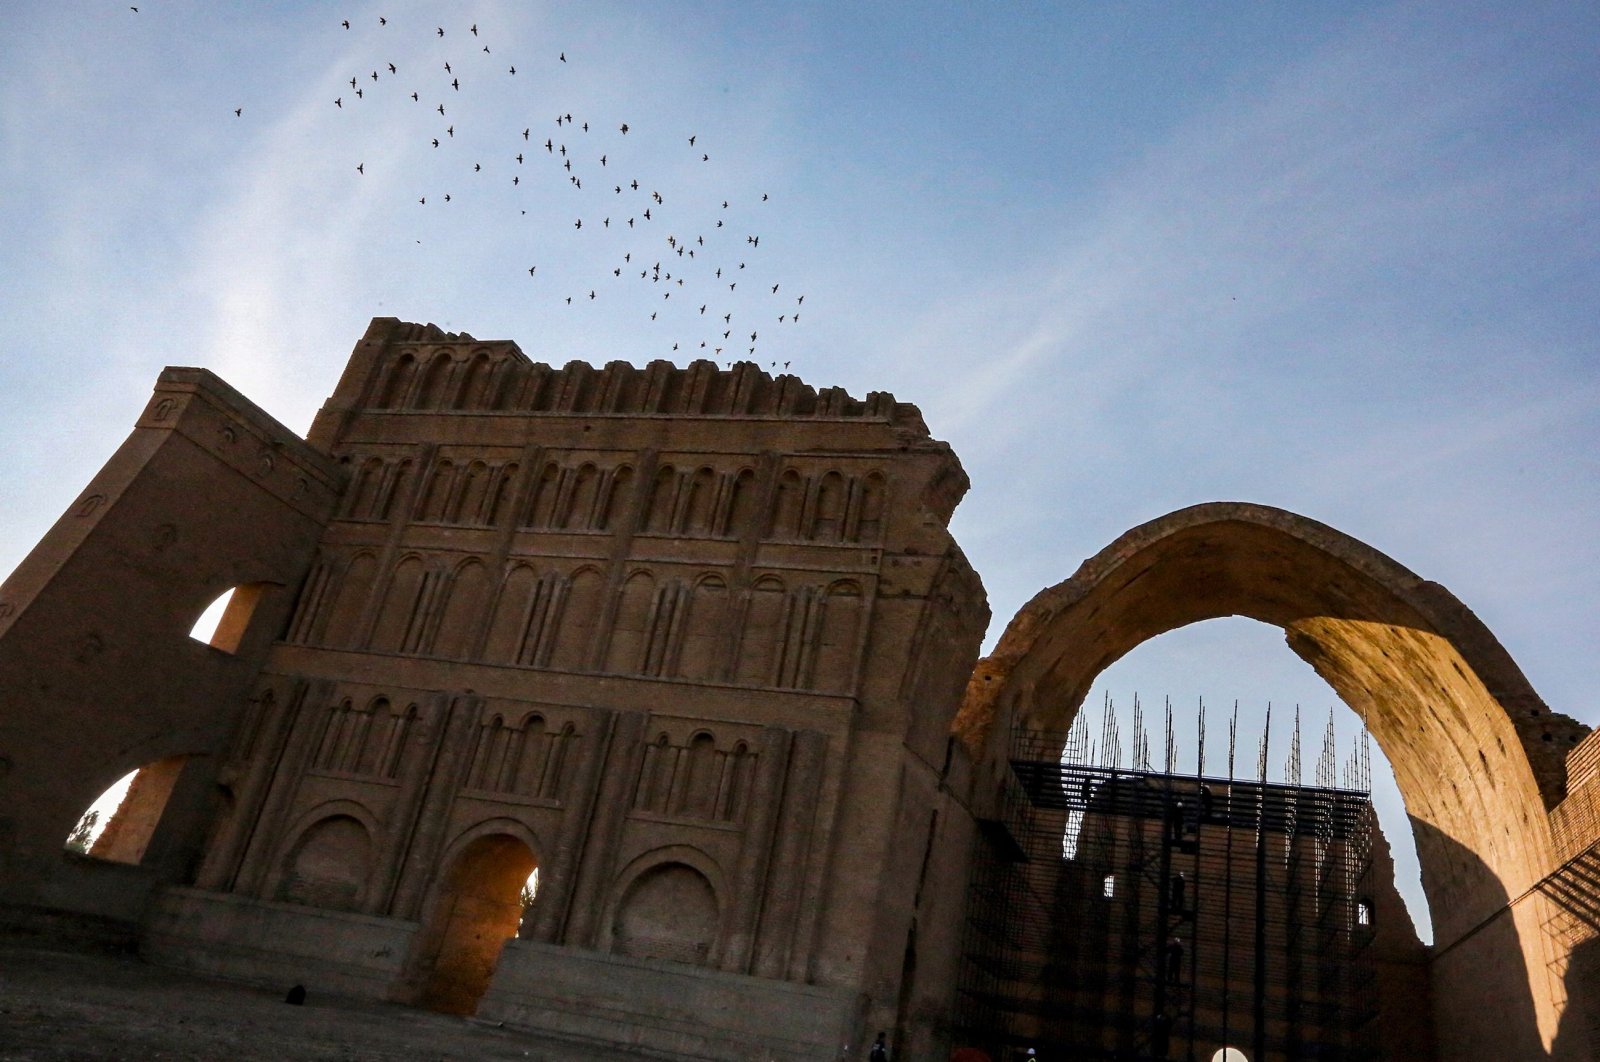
point(1478, 756)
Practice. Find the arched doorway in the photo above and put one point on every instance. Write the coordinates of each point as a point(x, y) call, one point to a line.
point(476, 909)
point(1478, 757)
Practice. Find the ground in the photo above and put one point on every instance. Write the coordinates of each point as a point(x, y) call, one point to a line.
point(58, 1004)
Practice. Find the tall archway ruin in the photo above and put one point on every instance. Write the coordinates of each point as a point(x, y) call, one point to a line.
point(703, 633)
point(1479, 758)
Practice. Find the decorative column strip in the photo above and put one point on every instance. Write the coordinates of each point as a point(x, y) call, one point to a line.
point(416, 760)
point(222, 861)
point(560, 867)
point(421, 857)
point(750, 878)
point(599, 857)
point(304, 737)
point(787, 878)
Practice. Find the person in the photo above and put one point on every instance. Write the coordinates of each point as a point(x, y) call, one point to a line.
point(880, 1050)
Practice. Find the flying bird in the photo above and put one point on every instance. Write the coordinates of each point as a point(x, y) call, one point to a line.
point(548, 146)
point(447, 69)
point(563, 57)
point(525, 134)
point(382, 21)
point(360, 95)
point(339, 103)
point(447, 197)
point(441, 108)
point(392, 70)
point(352, 82)
point(441, 31)
point(374, 75)
point(517, 180)
point(238, 112)
point(531, 269)
point(435, 141)
point(519, 158)
point(578, 224)
point(478, 168)
point(414, 98)
point(705, 158)
point(345, 23)
point(361, 168)
point(455, 83)
point(450, 131)
point(474, 29)
point(513, 71)
point(691, 141)
point(624, 128)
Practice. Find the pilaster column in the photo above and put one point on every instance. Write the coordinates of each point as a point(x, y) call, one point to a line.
point(543, 921)
point(417, 760)
point(282, 784)
point(787, 879)
point(427, 835)
point(749, 881)
point(600, 850)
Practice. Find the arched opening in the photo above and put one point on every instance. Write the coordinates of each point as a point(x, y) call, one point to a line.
point(1462, 728)
point(224, 621)
point(118, 826)
point(477, 908)
point(1241, 672)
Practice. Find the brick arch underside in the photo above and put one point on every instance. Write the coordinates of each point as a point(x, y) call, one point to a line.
point(1464, 731)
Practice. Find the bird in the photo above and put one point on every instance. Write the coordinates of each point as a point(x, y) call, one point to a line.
point(441, 108)
point(619, 189)
point(764, 199)
point(652, 317)
point(414, 98)
point(647, 213)
point(800, 300)
point(525, 134)
point(517, 180)
point(447, 197)
point(607, 223)
point(382, 21)
point(774, 289)
point(477, 167)
point(513, 71)
point(591, 294)
point(617, 272)
point(548, 146)
point(238, 112)
point(345, 23)
point(578, 224)
point(624, 128)
point(360, 95)
point(691, 141)
point(423, 200)
point(374, 75)
point(455, 83)
point(435, 141)
point(563, 57)
point(585, 127)
point(339, 103)
point(361, 168)
point(450, 131)
point(702, 311)
point(447, 69)
point(134, 10)
point(392, 70)
point(441, 31)
point(635, 185)
point(630, 223)
point(602, 160)
point(705, 158)
point(474, 29)
point(352, 82)
point(531, 269)
point(519, 158)
point(485, 49)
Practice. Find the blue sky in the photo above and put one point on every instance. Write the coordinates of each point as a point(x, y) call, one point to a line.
point(1335, 258)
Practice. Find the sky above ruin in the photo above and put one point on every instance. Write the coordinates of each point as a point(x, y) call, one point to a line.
point(1339, 259)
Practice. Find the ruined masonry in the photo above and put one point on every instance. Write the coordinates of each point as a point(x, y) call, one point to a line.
point(697, 646)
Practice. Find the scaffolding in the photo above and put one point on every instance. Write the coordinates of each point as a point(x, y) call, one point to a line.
point(1126, 913)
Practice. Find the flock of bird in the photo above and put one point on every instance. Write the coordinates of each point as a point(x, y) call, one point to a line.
point(658, 252)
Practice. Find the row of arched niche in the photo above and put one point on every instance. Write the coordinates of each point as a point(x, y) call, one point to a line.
point(692, 627)
point(829, 507)
point(449, 380)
